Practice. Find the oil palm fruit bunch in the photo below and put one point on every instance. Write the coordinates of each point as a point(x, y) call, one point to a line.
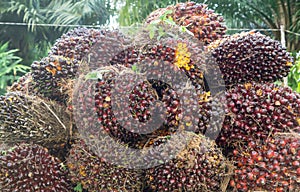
point(75, 52)
point(130, 126)
point(97, 174)
point(76, 43)
point(271, 165)
point(204, 23)
point(31, 168)
point(25, 118)
point(258, 111)
point(200, 166)
point(52, 74)
point(251, 56)
point(92, 104)
point(182, 55)
point(96, 47)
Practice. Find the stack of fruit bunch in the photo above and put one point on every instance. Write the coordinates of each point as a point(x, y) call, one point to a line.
point(49, 80)
point(259, 114)
point(35, 111)
point(259, 134)
point(168, 57)
point(144, 57)
point(257, 111)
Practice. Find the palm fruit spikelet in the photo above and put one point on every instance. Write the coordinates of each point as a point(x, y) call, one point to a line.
point(271, 165)
point(97, 174)
point(25, 118)
point(200, 166)
point(206, 25)
point(51, 76)
point(258, 111)
point(251, 56)
point(31, 168)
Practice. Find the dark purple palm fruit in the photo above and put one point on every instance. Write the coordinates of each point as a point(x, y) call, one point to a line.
point(200, 166)
point(98, 174)
point(270, 165)
point(26, 118)
point(204, 23)
point(251, 56)
point(258, 111)
point(76, 43)
point(32, 168)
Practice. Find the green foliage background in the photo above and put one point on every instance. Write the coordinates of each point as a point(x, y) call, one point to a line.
point(34, 41)
point(294, 76)
point(10, 67)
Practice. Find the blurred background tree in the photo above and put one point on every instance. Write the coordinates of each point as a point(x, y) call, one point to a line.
point(33, 41)
point(10, 67)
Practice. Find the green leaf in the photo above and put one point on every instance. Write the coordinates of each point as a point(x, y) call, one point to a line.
point(152, 33)
point(161, 32)
point(298, 88)
point(156, 21)
point(170, 22)
point(10, 67)
point(93, 75)
point(78, 187)
point(63, 166)
point(164, 16)
point(278, 83)
point(294, 76)
point(183, 29)
point(135, 68)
